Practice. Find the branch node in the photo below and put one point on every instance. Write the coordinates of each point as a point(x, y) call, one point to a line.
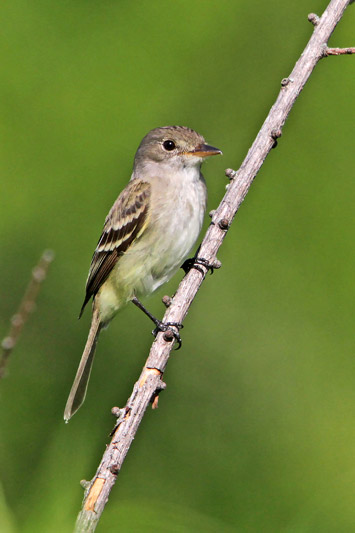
point(155, 401)
point(216, 264)
point(85, 484)
point(38, 274)
point(275, 134)
point(169, 335)
point(114, 469)
point(286, 81)
point(230, 173)
point(325, 50)
point(117, 412)
point(161, 386)
point(223, 223)
point(155, 397)
point(167, 300)
point(121, 415)
point(8, 343)
point(314, 19)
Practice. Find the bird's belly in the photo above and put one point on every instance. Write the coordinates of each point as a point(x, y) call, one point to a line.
point(154, 257)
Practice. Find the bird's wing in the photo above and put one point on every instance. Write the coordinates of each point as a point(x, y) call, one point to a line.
point(126, 220)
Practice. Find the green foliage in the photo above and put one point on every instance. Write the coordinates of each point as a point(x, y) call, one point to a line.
point(255, 431)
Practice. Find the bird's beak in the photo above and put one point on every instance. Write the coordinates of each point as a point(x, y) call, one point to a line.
point(205, 150)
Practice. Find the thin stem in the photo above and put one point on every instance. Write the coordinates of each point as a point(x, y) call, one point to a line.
point(26, 307)
point(339, 51)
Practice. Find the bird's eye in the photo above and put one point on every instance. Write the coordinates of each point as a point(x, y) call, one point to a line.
point(169, 145)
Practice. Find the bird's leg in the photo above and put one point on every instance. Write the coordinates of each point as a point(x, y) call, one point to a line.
point(160, 326)
point(195, 261)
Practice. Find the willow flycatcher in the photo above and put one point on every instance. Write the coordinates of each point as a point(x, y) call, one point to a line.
point(148, 232)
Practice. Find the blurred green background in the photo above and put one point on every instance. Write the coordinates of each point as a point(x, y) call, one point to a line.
point(255, 431)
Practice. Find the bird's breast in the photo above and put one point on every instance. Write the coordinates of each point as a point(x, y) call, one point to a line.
point(174, 221)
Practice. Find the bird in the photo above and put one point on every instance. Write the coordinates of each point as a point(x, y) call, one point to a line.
point(149, 231)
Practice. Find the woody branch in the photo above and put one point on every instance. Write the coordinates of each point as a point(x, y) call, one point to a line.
point(150, 383)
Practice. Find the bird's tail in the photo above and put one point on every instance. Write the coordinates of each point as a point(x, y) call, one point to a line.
point(78, 390)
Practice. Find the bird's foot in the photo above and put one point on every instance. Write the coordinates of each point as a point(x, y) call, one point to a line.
point(170, 333)
point(195, 262)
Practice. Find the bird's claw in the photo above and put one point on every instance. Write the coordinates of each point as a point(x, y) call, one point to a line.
point(194, 262)
point(167, 326)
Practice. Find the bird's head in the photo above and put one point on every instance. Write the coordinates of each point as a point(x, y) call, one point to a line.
point(176, 146)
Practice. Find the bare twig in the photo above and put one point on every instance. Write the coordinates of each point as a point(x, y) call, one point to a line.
point(26, 307)
point(339, 51)
point(150, 382)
